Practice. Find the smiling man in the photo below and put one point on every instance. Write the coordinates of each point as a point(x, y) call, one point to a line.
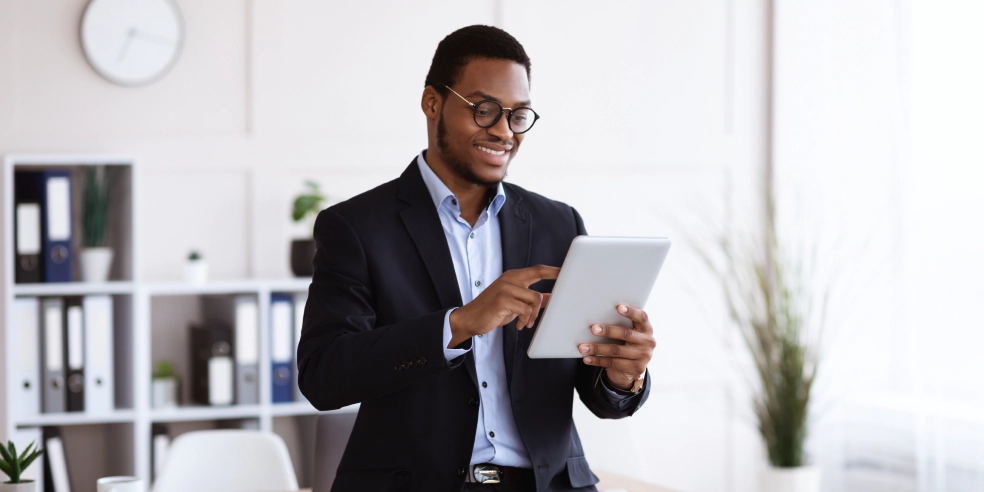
point(425, 293)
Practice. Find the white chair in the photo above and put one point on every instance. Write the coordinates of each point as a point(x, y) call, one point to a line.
point(333, 431)
point(227, 460)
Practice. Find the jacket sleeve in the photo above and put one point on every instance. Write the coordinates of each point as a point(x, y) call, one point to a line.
point(591, 390)
point(343, 357)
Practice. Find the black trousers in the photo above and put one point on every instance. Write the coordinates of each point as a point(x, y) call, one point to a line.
point(522, 486)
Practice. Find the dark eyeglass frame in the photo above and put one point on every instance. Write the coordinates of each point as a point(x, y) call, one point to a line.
point(502, 111)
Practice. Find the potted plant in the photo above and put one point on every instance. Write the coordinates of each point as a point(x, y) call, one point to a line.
point(306, 208)
point(196, 268)
point(165, 386)
point(96, 256)
point(13, 465)
point(770, 293)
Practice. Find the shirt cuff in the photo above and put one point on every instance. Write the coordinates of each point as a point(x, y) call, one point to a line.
point(451, 353)
point(610, 394)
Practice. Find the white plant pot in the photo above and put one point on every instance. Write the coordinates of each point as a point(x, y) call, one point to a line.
point(95, 264)
point(796, 479)
point(196, 271)
point(164, 393)
point(31, 486)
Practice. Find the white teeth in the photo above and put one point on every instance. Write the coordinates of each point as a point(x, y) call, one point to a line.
point(490, 151)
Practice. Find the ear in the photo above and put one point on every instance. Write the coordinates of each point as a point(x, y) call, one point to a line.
point(431, 102)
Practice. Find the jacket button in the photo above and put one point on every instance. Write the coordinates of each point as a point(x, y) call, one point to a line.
point(473, 402)
point(422, 360)
point(461, 471)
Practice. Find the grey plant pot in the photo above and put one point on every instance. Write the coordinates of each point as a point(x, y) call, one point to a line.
point(27, 486)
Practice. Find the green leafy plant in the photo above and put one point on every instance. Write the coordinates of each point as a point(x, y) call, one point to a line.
point(308, 204)
point(194, 256)
point(12, 464)
point(96, 195)
point(770, 291)
point(164, 370)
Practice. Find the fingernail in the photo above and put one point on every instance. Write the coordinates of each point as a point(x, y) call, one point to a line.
point(583, 349)
point(587, 360)
point(622, 309)
point(596, 329)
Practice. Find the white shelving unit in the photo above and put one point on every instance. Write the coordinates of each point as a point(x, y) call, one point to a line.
point(134, 330)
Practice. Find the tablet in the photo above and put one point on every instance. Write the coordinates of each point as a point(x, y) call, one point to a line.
point(598, 274)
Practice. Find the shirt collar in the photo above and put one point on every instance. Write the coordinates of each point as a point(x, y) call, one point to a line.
point(440, 193)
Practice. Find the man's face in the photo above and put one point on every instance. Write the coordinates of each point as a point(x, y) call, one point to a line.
point(482, 155)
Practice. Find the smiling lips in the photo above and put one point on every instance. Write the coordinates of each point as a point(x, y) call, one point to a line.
point(490, 151)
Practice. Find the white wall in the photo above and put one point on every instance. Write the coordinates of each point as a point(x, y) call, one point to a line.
point(268, 93)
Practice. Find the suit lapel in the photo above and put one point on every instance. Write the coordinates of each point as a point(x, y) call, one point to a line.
point(516, 226)
point(424, 226)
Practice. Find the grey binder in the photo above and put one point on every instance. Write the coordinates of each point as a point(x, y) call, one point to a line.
point(300, 302)
point(52, 355)
point(241, 314)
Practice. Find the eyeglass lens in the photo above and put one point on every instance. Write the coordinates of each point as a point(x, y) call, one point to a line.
point(487, 113)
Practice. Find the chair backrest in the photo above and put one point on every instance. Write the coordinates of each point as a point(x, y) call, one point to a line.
point(230, 460)
point(333, 431)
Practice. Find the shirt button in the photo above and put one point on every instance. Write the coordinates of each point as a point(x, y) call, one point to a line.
point(461, 471)
point(491, 434)
point(454, 202)
point(472, 235)
point(478, 283)
point(484, 384)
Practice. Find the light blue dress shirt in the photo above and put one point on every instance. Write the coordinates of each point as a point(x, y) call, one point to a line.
point(477, 256)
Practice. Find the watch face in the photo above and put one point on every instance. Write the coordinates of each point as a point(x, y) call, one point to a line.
point(132, 42)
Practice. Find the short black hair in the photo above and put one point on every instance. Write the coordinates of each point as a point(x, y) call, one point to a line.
point(466, 44)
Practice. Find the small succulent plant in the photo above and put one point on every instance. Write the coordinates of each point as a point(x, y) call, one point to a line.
point(12, 464)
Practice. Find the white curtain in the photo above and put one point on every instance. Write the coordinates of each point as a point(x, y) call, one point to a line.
point(878, 124)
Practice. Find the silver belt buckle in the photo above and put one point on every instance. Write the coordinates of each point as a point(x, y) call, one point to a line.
point(487, 473)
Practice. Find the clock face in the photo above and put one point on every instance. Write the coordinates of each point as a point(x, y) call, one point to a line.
point(132, 42)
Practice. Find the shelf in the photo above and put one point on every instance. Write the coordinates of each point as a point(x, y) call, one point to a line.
point(185, 414)
point(75, 418)
point(243, 286)
point(305, 408)
point(45, 161)
point(289, 284)
point(73, 288)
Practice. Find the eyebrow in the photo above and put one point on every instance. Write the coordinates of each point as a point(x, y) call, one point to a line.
point(490, 97)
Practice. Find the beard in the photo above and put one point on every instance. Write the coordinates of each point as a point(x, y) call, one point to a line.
point(458, 166)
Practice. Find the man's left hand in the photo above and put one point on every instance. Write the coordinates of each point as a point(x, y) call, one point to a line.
point(623, 363)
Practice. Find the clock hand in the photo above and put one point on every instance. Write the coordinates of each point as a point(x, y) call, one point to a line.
point(153, 38)
point(126, 45)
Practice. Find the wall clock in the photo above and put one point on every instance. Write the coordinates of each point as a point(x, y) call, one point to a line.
point(132, 42)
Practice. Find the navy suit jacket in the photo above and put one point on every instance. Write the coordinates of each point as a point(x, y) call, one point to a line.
point(373, 334)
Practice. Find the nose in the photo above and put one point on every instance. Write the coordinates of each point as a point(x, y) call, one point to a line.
point(501, 129)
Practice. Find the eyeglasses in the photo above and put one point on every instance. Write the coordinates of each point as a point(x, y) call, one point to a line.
point(488, 113)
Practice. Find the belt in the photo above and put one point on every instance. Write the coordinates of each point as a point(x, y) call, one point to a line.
point(491, 474)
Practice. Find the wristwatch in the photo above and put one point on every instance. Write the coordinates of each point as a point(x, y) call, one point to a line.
point(636, 385)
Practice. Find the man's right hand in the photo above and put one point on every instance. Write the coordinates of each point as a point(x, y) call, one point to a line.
point(506, 299)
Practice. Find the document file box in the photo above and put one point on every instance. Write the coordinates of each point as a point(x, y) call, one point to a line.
point(282, 347)
point(99, 378)
point(52, 355)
